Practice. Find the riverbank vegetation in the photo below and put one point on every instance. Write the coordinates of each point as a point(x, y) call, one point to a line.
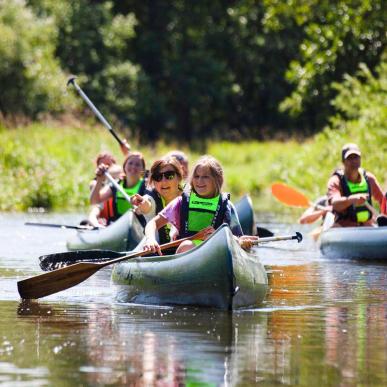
point(272, 89)
point(49, 166)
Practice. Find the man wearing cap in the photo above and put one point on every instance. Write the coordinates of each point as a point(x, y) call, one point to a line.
point(351, 188)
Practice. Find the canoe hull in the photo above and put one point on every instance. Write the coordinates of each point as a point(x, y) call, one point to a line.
point(216, 274)
point(244, 208)
point(122, 235)
point(355, 243)
point(125, 233)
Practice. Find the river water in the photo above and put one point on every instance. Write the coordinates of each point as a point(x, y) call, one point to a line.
point(323, 323)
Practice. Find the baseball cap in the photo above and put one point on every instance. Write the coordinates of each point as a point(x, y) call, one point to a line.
point(349, 149)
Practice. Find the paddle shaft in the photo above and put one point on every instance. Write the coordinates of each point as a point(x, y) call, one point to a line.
point(94, 109)
point(53, 261)
point(59, 226)
point(297, 236)
point(117, 186)
point(64, 278)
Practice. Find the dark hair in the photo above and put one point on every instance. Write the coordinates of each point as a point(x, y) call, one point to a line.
point(161, 163)
point(179, 155)
point(134, 154)
point(102, 155)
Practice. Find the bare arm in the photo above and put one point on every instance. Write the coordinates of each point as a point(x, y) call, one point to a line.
point(93, 216)
point(151, 228)
point(100, 193)
point(342, 203)
point(312, 214)
point(142, 203)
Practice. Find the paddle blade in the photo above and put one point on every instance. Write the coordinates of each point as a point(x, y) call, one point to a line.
point(55, 281)
point(315, 233)
point(58, 260)
point(328, 221)
point(264, 232)
point(289, 195)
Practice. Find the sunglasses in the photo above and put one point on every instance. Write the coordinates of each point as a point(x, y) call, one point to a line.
point(169, 175)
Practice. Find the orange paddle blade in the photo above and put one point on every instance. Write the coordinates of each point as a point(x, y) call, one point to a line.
point(289, 195)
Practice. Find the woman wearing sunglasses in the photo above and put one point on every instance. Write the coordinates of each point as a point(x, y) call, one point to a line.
point(204, 206)
point(164, 185)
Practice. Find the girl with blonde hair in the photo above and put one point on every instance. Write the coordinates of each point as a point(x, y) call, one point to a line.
point(203, 206)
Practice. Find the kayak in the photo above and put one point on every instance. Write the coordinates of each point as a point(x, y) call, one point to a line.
point(126, 232)
point(355, 243)
point(244, 209)
point(218, 273)
point(122, 235)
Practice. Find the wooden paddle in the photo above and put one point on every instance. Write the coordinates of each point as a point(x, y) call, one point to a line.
point(67, 277)
point(54, 261)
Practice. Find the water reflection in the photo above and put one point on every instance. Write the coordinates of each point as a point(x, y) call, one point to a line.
point(323, 323)
point(133, 345)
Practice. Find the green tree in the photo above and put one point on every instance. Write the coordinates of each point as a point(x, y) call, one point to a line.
point(92, 44)
point(339, 35)
point(30, 75)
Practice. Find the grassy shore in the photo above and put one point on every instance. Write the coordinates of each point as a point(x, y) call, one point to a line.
point(49, 166)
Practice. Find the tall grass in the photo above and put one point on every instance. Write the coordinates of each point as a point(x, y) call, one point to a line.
point(50, 166)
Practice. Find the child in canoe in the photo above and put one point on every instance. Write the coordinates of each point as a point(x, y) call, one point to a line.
point(133, 182)
point(203, 206)
point(164, 185)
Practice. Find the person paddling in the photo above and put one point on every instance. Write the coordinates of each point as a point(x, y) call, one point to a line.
point(351, 189)
point(319, 209)
point(133, 182)
point(204, 206)
point(102, 214)
point(164, 185)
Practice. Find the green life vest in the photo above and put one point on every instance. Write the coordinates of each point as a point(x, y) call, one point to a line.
point(201, 212)
point(122, 205)
point(359, 214)
point(198, 213)
point(362, 212)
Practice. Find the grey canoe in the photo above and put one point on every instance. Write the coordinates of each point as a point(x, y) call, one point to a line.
point(355, 243)
point(218, 273)
point(122, 235)
point(125, 233)
point(244, 208)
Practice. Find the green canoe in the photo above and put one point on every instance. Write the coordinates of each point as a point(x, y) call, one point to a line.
point(122, 235)
point(218, 274)
point(355, 243)
point(125, 233)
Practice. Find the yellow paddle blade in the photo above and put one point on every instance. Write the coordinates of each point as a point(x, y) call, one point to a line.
point(289, 196)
